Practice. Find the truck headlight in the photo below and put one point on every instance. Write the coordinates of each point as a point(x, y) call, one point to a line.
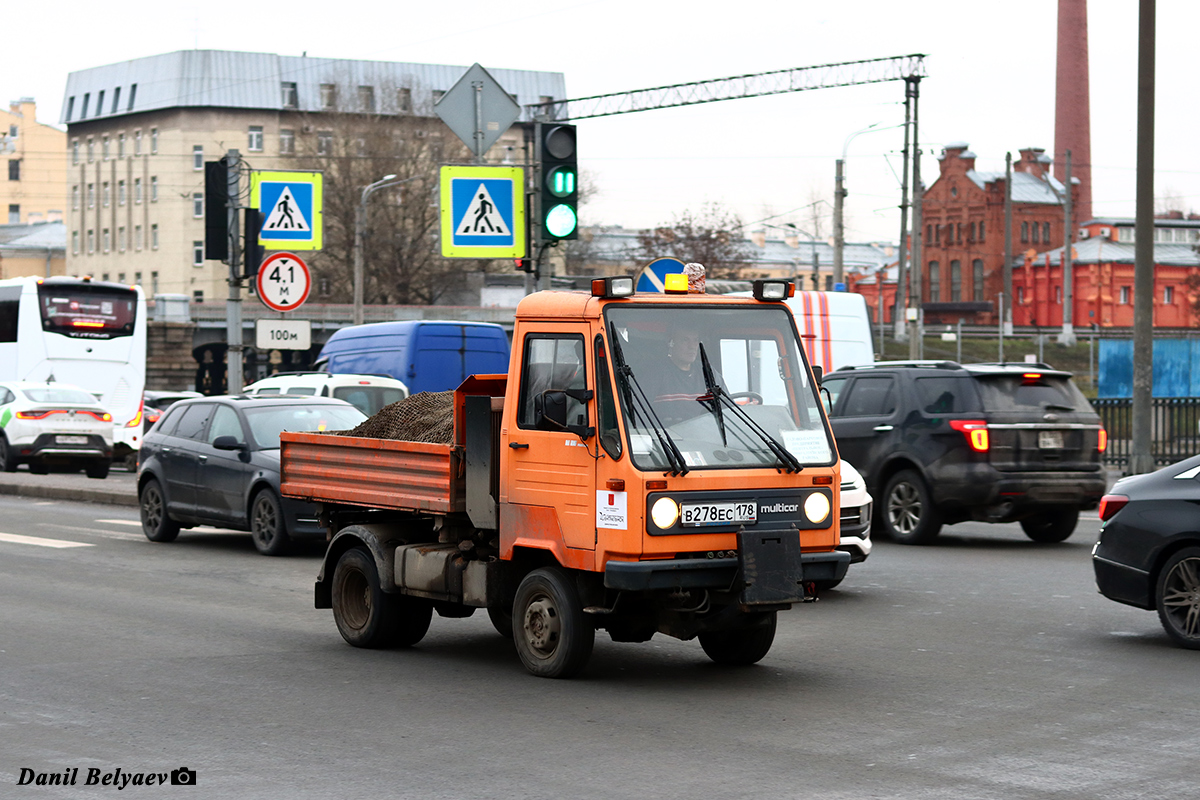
point(816, 507)
point(664, 512)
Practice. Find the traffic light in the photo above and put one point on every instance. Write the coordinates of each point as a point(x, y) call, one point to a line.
point(252, 253)
point(216, 211)
point(523, 264)
point(560, 183)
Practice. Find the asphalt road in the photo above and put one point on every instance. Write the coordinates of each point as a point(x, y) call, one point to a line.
point(980, 667)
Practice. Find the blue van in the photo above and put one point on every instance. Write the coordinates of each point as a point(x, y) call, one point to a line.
point(427, 355)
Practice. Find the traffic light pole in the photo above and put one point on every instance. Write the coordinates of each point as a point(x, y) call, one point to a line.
point(233, 306)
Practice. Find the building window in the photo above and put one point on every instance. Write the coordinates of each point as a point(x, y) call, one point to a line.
point(153, 141)
point(323, 286)
point(197, 254)
point(197, 156)
point(366, 99)
point(104, 147)
point(153, 283)
point(137, 278)
point(937, 234)
point(137, 190)
point(972, 233)
point(977, 275)
point(91, 237)
point(328, 97)
point(929, 234)
point(14, 213)
point(121, 239)
point(955, 281)
point(1020, 295)
point(404, 101)
point(153, 188)
point(958, 226)
point(105, 195)
point(1058, 295)
point(75, 242)
point(120, 193)
point(1046, 232)
point(324, 143)
point(287, 142)
point(1168, 295)
point(198, 296)
point(132, 96)
point(198, 205)
point(74, 151)
point(91, 150)
point(120, 144)
point(137, 143)
point(100, 103)
point(116, 100)
point(91, 195)
point(1124, 234)
point(982, 236)
point(1024, 232)
point(75, 197)
point(70, 107)
point(1035, 232)
point(935, 286)
point(255, 144)
point(154, 236)
point(290, 98)
point(107, 240)
point(86, 97)
point(138, 241)
point(14, 169)
point(1124, 295)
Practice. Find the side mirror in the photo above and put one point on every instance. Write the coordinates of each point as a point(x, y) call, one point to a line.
point(818, 374)
point(228, 443)
point(550, 411)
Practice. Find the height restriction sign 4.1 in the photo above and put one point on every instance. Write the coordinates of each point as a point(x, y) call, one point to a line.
point(290, 204)
point(483, 212)
point(283, 282)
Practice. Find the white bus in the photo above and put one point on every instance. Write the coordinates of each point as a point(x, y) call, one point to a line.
point(80, 331)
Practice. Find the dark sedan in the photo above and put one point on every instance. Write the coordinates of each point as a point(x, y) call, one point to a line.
point(215, 461)
point(1148, 554)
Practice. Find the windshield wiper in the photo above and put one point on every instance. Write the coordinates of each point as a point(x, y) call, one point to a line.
point(1058, 406)
point(636, 400)
point(721, 398)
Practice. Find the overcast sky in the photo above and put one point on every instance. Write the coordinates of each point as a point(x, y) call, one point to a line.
point(990, 83)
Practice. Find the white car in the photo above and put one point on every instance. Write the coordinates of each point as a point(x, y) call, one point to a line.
point(855, 519)
point(368, 393)
point(53, 424)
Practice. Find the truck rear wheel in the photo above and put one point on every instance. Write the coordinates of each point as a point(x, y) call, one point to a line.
point(552, 635)
point(367, 616)
point(741, 646)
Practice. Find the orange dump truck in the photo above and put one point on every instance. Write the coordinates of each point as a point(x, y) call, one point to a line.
point(651, 464)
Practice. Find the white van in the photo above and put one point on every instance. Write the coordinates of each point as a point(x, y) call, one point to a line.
point(835, 328)
point(368, 393)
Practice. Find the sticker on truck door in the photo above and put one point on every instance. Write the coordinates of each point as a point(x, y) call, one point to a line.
point(612, 510)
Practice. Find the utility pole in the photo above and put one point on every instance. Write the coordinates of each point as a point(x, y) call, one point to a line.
point(1006, 309)
point(839, 235)
point(1067, 337)
point(901, 306)
point(1141, 459)
point(233, 306)
point(916, 344)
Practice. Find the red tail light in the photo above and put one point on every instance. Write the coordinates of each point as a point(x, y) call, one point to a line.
point(103, 416)
point(976, 432)
point(1102, 441)
point(137, 418)
point(1110, 504)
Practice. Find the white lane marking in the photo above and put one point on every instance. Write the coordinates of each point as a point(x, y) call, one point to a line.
point(16, 538)
point(133, 522)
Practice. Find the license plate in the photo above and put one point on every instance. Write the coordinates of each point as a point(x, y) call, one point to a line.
point(71, 439)
point(1050, 440)
point(699, 514)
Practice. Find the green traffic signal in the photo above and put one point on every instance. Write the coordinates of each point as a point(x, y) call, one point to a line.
point(559, 196)
point(560, 181)
point(561, 221)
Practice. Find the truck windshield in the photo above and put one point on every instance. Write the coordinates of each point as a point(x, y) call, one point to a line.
point(754, 356)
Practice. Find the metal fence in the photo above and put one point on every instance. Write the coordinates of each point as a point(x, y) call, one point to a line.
point(1174, 426)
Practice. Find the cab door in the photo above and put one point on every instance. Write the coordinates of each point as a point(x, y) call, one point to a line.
point(554, 469)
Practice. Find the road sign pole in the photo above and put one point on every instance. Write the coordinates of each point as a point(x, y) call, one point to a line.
point(233, 306)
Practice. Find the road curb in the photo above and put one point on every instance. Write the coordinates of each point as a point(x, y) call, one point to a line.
point(61, 493)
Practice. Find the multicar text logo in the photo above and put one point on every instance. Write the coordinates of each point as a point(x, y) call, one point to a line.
point(117, 778)
point(778, 508)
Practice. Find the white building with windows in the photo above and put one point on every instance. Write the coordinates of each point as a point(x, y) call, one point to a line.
point(140, 131)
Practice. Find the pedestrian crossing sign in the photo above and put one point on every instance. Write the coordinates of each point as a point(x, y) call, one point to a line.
point(483, 212)
point(290, 205)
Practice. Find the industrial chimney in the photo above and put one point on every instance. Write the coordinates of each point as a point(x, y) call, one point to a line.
point(1072, 106)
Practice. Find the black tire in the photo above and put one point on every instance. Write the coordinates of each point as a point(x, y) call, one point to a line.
point(740, 647)
point(502, 620)
point(1051, 525)
point(268, 528)
point(1177, 595)
point(367, 616)
point(553, 637)
point(156, 524)
point(97, 469)
point(907, 515)
point(8, 456)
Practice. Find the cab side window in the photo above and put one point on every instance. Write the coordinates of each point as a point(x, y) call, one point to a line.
point(6, 397)
point(606, 404)
point(225, 423)
point(834, 386)
point(552, 363)
point(191, 424)
point(871, 397)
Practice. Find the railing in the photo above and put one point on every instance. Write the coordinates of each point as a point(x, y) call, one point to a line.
point(1174, 429)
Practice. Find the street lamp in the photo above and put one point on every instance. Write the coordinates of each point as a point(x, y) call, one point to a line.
point(360, 224)
point(839, 199)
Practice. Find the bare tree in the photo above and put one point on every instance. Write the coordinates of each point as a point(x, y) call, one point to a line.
point(713, 236)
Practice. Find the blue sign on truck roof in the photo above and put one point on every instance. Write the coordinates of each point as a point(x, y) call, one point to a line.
point(427, 355)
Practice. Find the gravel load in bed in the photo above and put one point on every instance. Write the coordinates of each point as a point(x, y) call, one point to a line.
point(422, 417)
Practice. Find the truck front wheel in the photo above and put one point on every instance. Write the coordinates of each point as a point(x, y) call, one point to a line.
point(741, 646)
point(552, 635)
point(367, 616)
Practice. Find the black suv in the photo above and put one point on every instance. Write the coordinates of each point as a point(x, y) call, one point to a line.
point(939, 442)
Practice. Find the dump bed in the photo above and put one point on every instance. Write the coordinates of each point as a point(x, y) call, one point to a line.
point(377, 473)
